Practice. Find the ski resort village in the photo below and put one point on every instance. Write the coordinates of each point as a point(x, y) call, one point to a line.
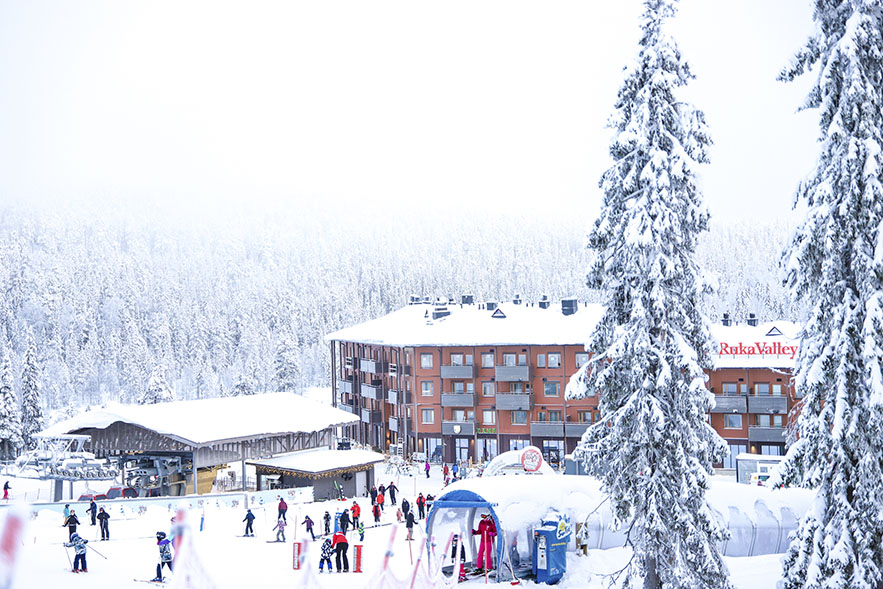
point(396, 294)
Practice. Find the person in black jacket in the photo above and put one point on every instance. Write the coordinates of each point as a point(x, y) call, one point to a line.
point(326, 519)
point(103, 516)
point(409, 522)
point(392, 490)
point(249, 520)
point(406, 507)
point(344, 521)
point(71, 522)
point(93, 510)
point(373, 494)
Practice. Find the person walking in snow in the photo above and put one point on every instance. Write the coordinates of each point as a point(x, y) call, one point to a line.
point(391, 489)
point(406, 507)
point(93, 510)
point(103, 516)
point(71, 522)
point(165, 555)
point(327, 551)
point(446, 471)
point(376, 510)
point(309, 523)
point(409, 523)
point(488, 532)
point(361, 530)
point(283, 509)
point(373, 493)
point(340, 548)
point(249, 521)
point(6, 488)
point(79, 545)
point(280, 525)
point(356, 511)
point(344, 521)
point(454, 470)
point(380, 500)
point(421, 505)
point(426, 468)
point(326, 519)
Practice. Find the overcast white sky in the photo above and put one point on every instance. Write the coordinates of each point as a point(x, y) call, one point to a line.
point(501, 104)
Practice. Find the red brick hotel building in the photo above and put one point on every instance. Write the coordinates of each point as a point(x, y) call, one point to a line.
point(462, 381)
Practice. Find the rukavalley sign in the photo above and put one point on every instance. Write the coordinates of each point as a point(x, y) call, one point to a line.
point(757, 349)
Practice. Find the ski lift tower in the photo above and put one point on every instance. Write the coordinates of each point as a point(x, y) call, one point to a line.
point(62, 458)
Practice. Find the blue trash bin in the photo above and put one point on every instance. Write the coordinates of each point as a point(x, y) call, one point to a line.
point(337, 521)
point(550, 542)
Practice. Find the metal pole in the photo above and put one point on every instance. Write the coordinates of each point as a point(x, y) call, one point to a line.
point(194, 465)
point(242, 447)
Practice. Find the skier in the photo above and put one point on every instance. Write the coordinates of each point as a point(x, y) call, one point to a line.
point(454, 470)
point(373, 494)
point(340, 548)
point(283, 509)
point(165, 555)
point(421, 505)
point(326, 519)
point(71, 522)
point(356, 511)
point(376, 510)
point(446, 471)
point(488, 531)
point(103, 516)
point(457, 543)
point(391, 489)
point(409, 522)
point(361, 530)
point(249, 521)
point(327, 551)
point(381, 490)
point(426, 468)
point(280, 525)
point(380, 500)
point(406, 507)
point(6, 488)
point(79, 545)
point(67, 511)
point(344, 521)
point(309, 524)
point(428, 503)
point(93, 511)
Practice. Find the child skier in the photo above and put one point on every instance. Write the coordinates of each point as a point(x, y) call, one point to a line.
point(249, 520)
point(79, 545)
point(165, 555)
point(327, 519)
point(327, 551)
point(376, 510)
point(280, 525)
point(361, 530)
point(309, 524)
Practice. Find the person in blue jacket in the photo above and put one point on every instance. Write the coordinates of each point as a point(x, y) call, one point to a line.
point(249, 520)
point(165, 555)
point(79, 545)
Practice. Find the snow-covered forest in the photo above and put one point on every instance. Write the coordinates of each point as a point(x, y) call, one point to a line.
point(242, 301)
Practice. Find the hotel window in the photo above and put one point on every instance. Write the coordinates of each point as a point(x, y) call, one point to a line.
point(555, 416)
point(508, 359)
point(554, 360)
point(488, 417)
point(541, 416)
point(743, 388)
point(732, 421)
point(584, 416)
point(522, 359)
point(428, 415)
point(468, 359)
point(541, 360)
point(730, 389)
point(516, 387)
point(425, 360)
point(551, 388)
point(464, 387)
point(768, 420)
point(777, 390)
point(487, 360)
point(581, 359)
point(462, 415)
point(456, 359)
point(768, 450)
point(761, 388)
point(487, 389)
point(519, 417)
point(426, 388)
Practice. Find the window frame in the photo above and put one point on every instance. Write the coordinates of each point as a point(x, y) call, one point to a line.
point(424, 365)
point(554, 360)
point(427, 411)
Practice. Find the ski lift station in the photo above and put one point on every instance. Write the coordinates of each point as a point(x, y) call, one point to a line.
point(157, 448)
point(331, 473)
point(759, 519)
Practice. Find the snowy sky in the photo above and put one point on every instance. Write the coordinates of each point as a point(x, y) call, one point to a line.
point(497, 103)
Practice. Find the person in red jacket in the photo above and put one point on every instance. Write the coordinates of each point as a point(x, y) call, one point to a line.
point(376, 510)
point(355, 511)
point(488, 531)
point(380, 500)
point(283, 509)
point(340, 547)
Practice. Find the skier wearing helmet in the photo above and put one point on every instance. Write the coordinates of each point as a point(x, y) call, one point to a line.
point(165, 555)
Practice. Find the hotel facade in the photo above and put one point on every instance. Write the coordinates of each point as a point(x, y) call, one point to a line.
point(465, 381)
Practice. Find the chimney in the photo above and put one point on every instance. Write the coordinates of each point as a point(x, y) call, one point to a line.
point(725, 321)
point(569, 306)
point(467, 299)
point(752, 320)
point(490, 305)
point(516, 300)
point(544, 302)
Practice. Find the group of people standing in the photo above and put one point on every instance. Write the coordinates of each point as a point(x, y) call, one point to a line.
point(98, 515)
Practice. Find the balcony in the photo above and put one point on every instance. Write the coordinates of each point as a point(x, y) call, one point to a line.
point(729, 404)
point(372, 417)
point(346, 407)
point(766, 434)
point(458, 400)
point(458, 428)
point(370, 391)
point(392, 396)
point(547, 429)
point(513, 401)
point(394, 424)
point(372, 366)
point(767, 404)
point(575, 430)
point(460, 372)
point(345, 386)
point(512, 373)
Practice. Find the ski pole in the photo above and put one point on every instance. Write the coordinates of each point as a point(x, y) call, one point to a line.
point(67, 554)
point(96, 552)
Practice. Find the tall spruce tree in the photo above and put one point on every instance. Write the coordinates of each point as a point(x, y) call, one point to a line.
point(834, 269)
point(286, 366)
point(158, 390)
point(10, 417)
point(31, 401)
point(652, 447)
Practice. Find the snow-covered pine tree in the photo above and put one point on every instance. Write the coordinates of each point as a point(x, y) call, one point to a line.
point(158, 390)
point(286, 367)
point(31, 401)
point(652, 447)
point(834, 269)
point(244, 385)
point(10, 417)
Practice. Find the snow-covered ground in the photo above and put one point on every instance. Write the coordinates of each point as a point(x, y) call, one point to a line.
point(234, 561)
